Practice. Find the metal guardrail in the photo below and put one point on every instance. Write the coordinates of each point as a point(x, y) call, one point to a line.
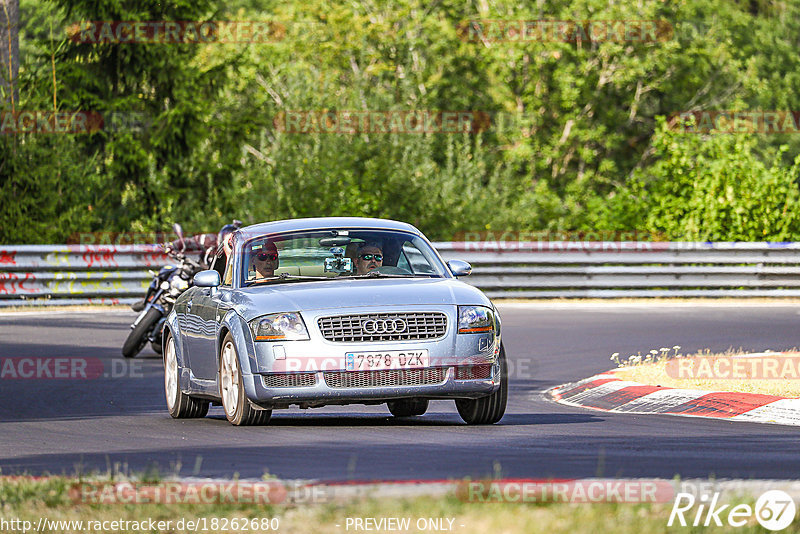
point(76, 274)
point(81, 274)
point(612, 269)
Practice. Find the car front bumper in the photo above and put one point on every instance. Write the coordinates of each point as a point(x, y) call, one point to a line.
point(322, 393)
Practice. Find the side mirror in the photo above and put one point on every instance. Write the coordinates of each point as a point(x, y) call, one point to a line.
point(206, 279)
point(459, 267)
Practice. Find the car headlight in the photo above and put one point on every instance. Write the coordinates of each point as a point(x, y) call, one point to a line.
point(279, 327)
point(475, 319)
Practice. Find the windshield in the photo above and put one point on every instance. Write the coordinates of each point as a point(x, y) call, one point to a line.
point(337, 254)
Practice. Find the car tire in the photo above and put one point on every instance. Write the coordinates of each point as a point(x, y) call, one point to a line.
point(138, 336)
point(408, 407)
point(490, 409)
point(156, 347)
point(179, 404)
point(237, 407)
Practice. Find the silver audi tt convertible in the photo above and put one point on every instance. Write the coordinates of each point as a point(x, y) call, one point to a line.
point(312, 312)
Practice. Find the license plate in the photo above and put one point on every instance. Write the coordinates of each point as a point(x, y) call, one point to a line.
point(387, 359)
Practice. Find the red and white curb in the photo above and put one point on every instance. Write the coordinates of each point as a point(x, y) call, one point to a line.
point(609, 393)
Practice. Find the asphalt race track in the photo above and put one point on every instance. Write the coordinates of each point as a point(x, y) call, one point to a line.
point(119, 421)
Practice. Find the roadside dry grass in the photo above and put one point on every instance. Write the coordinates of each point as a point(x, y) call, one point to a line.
point(31, 500)
point(657, 373)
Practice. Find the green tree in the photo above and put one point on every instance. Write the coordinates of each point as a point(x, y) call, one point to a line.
point(710, 188)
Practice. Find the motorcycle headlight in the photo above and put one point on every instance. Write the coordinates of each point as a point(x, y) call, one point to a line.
point(475, 319)
point(279, 327)
point(178, 283)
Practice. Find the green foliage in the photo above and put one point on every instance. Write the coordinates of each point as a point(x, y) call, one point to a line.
point(716, 189)
point(44, 198)
point(583, 149)
point(392, 176)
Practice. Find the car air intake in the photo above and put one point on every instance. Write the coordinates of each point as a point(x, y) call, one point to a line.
point(393, 377)
point(289, 380)
point(383, 327)
point(474, 372)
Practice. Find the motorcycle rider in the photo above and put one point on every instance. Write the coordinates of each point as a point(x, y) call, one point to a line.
point(225, 236)
point(205, 245)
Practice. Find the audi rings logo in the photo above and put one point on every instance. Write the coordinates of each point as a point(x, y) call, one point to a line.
point(384, 326)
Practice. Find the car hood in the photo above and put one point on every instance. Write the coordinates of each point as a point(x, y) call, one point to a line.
point(319, 295)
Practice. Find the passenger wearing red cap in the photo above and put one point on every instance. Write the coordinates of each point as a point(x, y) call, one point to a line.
point(265, 260)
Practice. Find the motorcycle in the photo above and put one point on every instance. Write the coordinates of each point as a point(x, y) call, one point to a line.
point(168, 283)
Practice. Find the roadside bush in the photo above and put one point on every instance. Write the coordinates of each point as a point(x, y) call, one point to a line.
point(715, 188)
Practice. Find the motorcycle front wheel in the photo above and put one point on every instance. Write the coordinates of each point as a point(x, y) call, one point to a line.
point(138, 336)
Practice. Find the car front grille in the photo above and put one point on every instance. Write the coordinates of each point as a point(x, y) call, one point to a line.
point(290, 380)
point(474, 372)
point(383, 327)
point(394, 377)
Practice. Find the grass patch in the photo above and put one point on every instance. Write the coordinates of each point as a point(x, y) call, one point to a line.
point(30, 500)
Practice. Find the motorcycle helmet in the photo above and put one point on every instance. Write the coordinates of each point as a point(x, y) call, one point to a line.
point(227, 229)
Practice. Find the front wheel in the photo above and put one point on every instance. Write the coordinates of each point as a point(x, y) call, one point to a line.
point(179, 404)
point(231, 388)
point(487, 410)
point(137, 339)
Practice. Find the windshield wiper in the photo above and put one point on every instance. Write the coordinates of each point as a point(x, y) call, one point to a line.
point(376, 274)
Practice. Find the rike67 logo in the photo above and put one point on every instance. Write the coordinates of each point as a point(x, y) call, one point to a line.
point(774, 510)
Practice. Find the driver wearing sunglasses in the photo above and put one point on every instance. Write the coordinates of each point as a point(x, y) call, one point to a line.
point(265, 260)
point(370, 257)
